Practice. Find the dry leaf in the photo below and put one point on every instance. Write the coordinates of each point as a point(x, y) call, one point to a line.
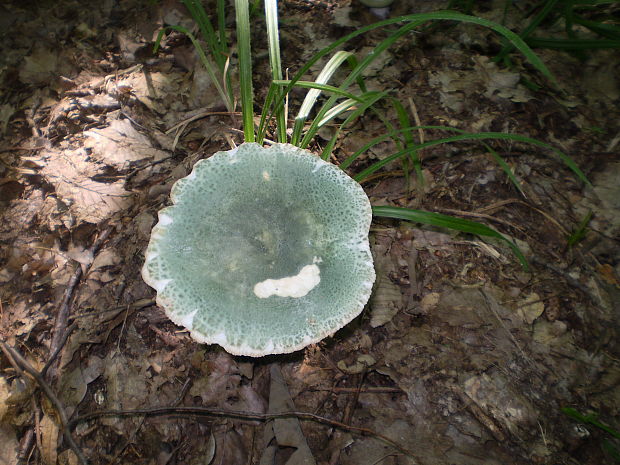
point(70, 171)
point(429, 302)
point(120, 143)
point(107, 257)
point(210, 450)
point(221, 383)
point(284, 433)
point(49, 440)
point(9, 446)
point(385, 301)
point(80, 254)
point(531, 308)
point(39, 67)
point(607, 273)
point(4, 396)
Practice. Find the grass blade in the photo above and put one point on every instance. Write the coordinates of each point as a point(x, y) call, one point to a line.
point(580, 232)
point(271, 18)
point(322, 87)
point(245, 68)
point(449, 222)
point(370, 98)
point(609, 31)
point(415, 20)
point(405, 122)
point(313, 94)
point(221, 24)
point(461, 137)
point(507, 169)
point(208, 32)
point(353, 76)
point(210, 67)
point(542, 14)
point(591, 419)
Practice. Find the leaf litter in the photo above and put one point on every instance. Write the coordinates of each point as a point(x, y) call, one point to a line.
point(461, 357)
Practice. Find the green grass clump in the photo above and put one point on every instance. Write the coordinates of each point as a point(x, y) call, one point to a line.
point(586, 24)
point(349, 99)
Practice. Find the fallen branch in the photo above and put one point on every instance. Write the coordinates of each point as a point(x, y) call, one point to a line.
point(20, 363)
point(239, 415)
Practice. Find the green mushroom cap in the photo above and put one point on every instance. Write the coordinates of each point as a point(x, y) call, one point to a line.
point(264, 250)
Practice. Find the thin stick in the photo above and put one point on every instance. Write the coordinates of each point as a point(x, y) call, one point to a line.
point(26, 447)
point(137, 305)
point(416, 118)
point(37, 425)
point(63, 341)
point(182, 124)
point(347, 415)
point(51, 395)
point(240, 415)
point(366, 390)
point(60, 327)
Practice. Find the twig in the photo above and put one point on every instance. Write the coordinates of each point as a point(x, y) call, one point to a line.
point(347, 415)
point(137, 305)
point(11, 359)
point(203, 114)
point(60, 327)
point(63, 341)
point(239, 415)
point(503, 203)
point(51, 395)
point(350, 408)
point(136, 170)
point(25, 447)
point(181, 395)
point(366, 390)
point(416, 118)
point(37, 425)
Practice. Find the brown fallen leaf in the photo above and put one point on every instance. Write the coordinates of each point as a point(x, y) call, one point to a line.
point(49, 440)
point(283, 433)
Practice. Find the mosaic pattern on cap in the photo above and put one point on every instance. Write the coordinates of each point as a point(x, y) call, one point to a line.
point(264, 250)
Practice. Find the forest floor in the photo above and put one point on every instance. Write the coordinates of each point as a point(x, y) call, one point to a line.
point(461, 357)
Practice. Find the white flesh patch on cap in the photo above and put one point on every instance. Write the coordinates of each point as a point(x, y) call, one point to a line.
point(291, 286)
point(187, 320)
point(164, 219)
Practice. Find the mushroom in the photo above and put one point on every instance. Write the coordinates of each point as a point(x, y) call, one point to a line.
point(264, 250)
